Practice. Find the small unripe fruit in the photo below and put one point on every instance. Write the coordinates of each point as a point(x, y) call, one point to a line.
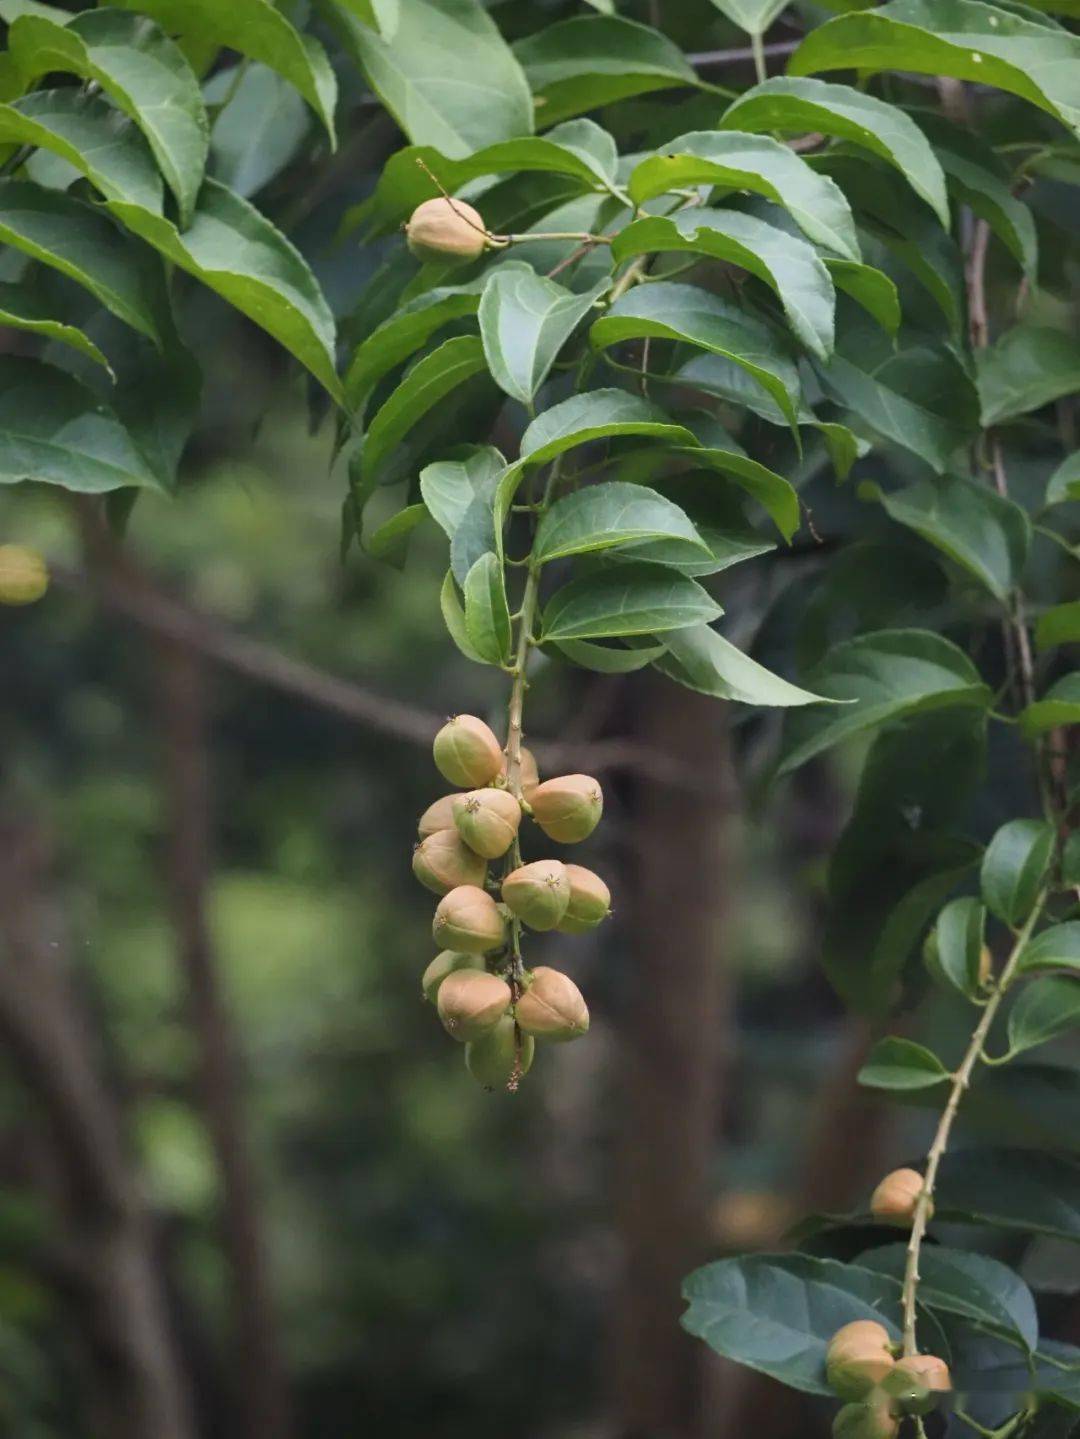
point(439, 815)
point(466, 752)
point(552, 1007)
point(502, 1056)
point(859, 1357)
point(568, 809)
point(530, 775)
point(986, 965)
point(469, 921)
point(444, 861)
point(917, 1382)
point(23, 576)
point(590, 901)
point(895, 1198)
point(538, 893)
point(471, 1002)
point(445, 230)
point(865, 1421)
point(487, 820)
point(445, 964)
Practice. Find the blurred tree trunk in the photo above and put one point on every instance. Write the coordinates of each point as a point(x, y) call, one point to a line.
point(674, 1037)
point(257, 1377)
point(104, 1265)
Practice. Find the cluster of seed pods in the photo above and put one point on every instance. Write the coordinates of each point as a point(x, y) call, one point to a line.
point(484, 994)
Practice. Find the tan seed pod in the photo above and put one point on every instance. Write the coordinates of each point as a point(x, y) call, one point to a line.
point(443, 861)
point(986, 965)
point(448, 231)
point(469, 921)
point(530, 775)
point(502, 1056)
point(590, 901)
point(466, 752)
point(552, 1007)
point(439, 815)
point(487, 820)
point(537, 893)
point(568, 808)
point(917, 1382)
point(471, 1002)
point(859, 1358)
point(895, 1198)
point(444, 964)
point(24, 577)
point(866, 1421)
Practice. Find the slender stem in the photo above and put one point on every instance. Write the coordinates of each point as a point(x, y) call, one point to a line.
point(529, 235)
point(757, 47)
point(960, 1084)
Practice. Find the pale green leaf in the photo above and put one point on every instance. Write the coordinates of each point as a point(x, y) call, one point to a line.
point(1029, 367)
point(525, 319)
point(703, 660)
point(487, 616)
point(259, 132)
point(454, 618)
point(449, 487)
point(753, 16)
point(634, 598)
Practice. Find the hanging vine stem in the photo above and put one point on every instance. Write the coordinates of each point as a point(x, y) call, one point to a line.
point(961, 1081)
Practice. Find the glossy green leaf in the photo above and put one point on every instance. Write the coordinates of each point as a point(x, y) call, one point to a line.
point(983, 532)
point(487, 616)
point(22, 307)
point(703, 660)
point(792, 104)
point(1064, 483)
point(449, 487)
point(142, 70)
point(1044, 1010)
point(957, 943)
point(889, 674)
point(1015, 865)
point(589, 61)
point(788, 265)
point(964, 39)
point(718, 514)
point(454, 618)
point(259, 132)
point(1055, 948)
point(1059, 625)
point(55, 431)
point(634, 598)
point(390, 541)
point(869, 287)
point(429, 381)
point(671, 311)
point(772, 491)
point(1028, 367)
point(613, 513)
point(525, 319)
point(1021, 1189)
point(777, 1313)
point(971, 1286)
point(607, 659)
point(1059, 706)
point(896, 1063)
point(446, 75)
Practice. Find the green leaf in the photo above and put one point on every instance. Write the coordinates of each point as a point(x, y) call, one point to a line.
point(963, 39)
point(446, 75)
point(1059, 706)
point(1015, 865)
point(89, 134)
point(1028, 367)
point(753, 16)
point(613, 513)
point(788, 265)
point(956, 945)
point(890, 674)
point(1055, 948)
point(259, 132)
point(971, 1286)
point(1045, 1009)
point(525, 319)
point(777, 1313)
point(81, 242)
point(717, 513)
point(487, 615)
point(606, 659)
point(869, 287)
point(23, 308)
point(895, 1063)
point(454, 617)
point(235, 250)
point(1022, 1189)
point(670, 311)
point(797, 105)
point(383, 16)
point(429, 381)
point(1064, 483)
point(449, 487)
point(704, 661)
point(143, 71)
point(753, 162)
point(390, 541)
point(55, 430)
point(590, 61)
point(634, 598)
point(1059, 625)
point(983, 532)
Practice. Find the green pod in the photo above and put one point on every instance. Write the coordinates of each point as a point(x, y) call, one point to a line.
point(589, 903)
point(487, 821)
point(537, 893)
point(502, 1056)
point(443, 861)
point(568, 808)
point(446, 963)
point(471, 1002)
point(467, 753)
point(469, 921)
point(552, 1006)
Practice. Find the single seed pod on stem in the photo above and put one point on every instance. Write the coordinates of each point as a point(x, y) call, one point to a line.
point(445, 963)
point(469, 921)
point(446, 231)
point(502, 1056)
point(552, 1006)
point(24, 577)
point(895, 1198)
point(537, 893)
point(439, 815)
point(444, 861)
point(872, 1420)
point(466, 752)
point(568, 808)
point(859, 1358)
point(917, 1383)
point(487, 820)
point(471, 1002)
point(589, 903)
point(530, 775)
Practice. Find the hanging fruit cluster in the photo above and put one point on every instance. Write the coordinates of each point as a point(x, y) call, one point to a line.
point(484, 994)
